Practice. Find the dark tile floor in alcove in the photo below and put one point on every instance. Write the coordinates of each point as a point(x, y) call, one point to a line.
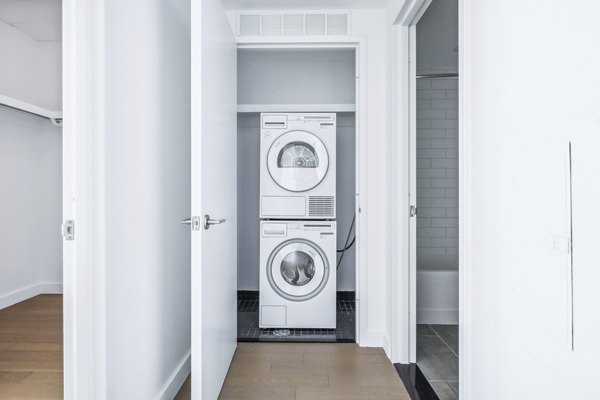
point(248, 330)
point(437, 358)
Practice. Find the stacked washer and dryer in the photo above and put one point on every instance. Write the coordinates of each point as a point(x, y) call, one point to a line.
point(298, 227)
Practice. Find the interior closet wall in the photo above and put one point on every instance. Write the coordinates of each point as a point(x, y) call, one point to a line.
point(30, 151)
point(248, 198)
point(437, 165)
point(31, 65)
point(30, 206)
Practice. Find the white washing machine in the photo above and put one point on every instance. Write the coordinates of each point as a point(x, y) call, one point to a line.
point(298, 274)
point(297, 173)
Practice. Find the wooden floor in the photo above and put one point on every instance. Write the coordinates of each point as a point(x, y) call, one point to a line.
point(31, 364)
point(308, 372)
point(31, 349)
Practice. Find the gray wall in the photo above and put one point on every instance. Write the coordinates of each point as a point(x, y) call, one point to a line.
point(30, 204)
point(437, 174)
point(248, 153)
point(437, 38)
point(296, 76)
point(437, 165)
point(437, 138)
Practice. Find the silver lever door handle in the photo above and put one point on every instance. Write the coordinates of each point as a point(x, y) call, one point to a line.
point(186, 221)
point(209, 221)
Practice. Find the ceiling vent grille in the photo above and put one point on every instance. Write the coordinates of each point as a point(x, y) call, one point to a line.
point(293, 24)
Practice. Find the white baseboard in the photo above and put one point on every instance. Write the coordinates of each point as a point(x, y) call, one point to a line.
point(441, 316)
point(387, 346)
point(28, 292)
point(177, 378)
point(373, 338)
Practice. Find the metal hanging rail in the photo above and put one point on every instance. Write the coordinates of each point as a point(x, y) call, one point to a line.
point(13, 104)
point(443, 75)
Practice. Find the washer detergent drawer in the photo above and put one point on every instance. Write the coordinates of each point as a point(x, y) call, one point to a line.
point(275, 316)
point(283, 206)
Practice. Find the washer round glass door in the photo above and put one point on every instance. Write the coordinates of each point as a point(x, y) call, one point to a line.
point(298, 161)
point(298, 270)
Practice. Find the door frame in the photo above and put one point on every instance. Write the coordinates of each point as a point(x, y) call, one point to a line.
point(404, 127)
point(84, 312)
point(358, 43)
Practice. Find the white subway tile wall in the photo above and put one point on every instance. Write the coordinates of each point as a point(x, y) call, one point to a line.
point(437, 172)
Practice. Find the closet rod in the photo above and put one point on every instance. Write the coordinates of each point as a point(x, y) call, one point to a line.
point(445, 75)
point(55, 120)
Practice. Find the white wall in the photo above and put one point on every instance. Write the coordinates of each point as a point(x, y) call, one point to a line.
point(30, 207)
point(248, 153)
point(529, 87)
point(147, 63)
point(30, 71)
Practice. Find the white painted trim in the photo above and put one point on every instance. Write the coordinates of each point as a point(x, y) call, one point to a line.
point(363, 335)
point(333, 42)
point(257, 108)
point(84, 300)
point(177, 378)
point(399, 271)
point(464, 168)
point(412, 190)
point(361, 210)
point(28, 292)
point(403, 307)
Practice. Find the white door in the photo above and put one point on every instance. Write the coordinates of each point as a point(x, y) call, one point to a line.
point(214, 163)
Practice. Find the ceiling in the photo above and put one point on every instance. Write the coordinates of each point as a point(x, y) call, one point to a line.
point(301, 4)
point(38, 19)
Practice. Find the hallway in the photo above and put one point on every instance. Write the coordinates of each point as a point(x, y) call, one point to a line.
point(315, 371)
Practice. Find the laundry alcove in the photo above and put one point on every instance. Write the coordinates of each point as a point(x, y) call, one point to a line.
point(284, 79)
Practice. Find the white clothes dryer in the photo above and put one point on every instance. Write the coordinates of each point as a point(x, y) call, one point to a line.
point(297, 274)
point(298, 166)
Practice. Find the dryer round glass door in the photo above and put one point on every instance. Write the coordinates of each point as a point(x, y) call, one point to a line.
point(298, 270)
point(298, 161)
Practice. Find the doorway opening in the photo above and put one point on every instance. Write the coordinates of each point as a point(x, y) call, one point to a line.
point(31, 173)
point(291, 84)
point(434, 191)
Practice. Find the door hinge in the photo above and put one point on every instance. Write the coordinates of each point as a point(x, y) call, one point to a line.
point(413, 211)
point(68, 229)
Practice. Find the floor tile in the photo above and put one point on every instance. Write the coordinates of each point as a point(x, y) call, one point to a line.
point(436, 359)
point(249, 330)
point(449, 334)
point(443, 390)
point(425, 330)
point(454, 386)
